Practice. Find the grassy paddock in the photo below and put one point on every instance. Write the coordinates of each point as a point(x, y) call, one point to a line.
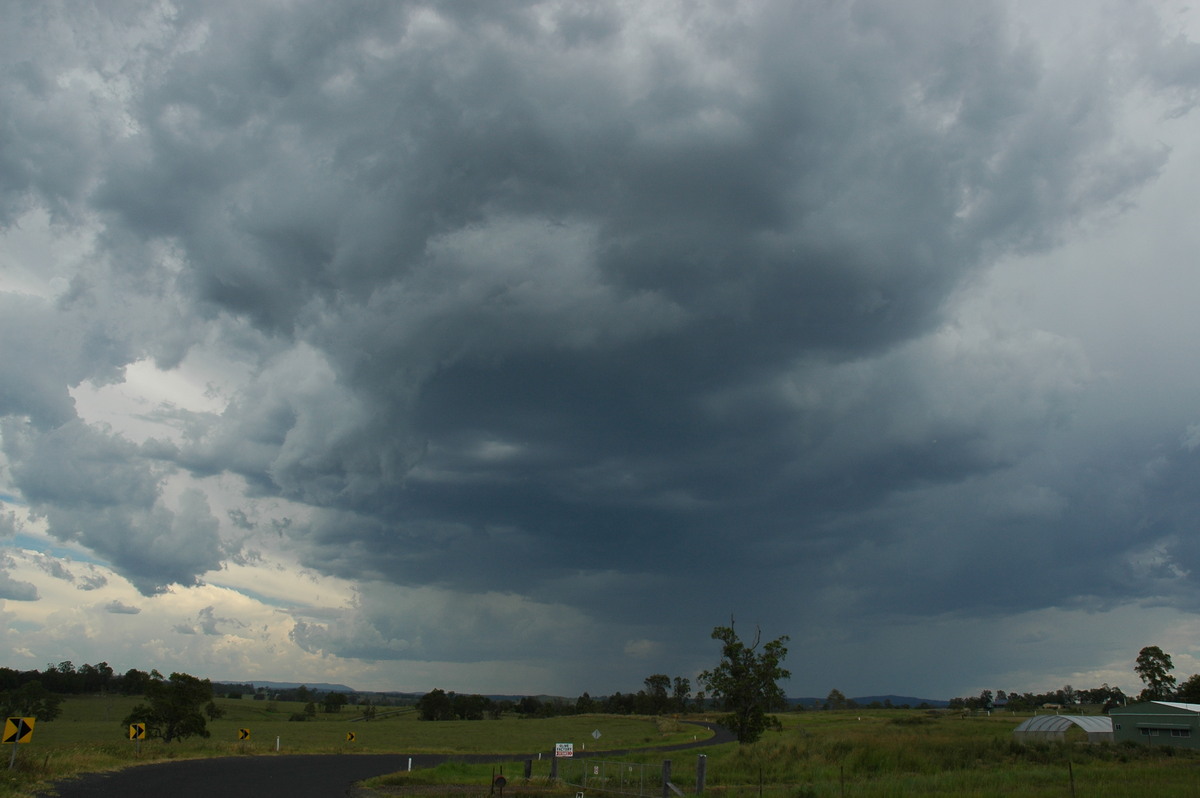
point(878, 754)
point(867, 753)
point(89, 737)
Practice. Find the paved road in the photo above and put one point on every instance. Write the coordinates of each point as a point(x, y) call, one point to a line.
point(298, 776)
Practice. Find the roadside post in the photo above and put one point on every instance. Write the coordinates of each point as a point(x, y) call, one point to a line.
point(561, 751)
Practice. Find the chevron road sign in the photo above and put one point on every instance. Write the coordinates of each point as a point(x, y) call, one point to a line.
point(18, 730)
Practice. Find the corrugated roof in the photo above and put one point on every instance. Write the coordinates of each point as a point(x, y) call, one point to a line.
point(1148, 707)
point(1179, 705)
point(1060, 723)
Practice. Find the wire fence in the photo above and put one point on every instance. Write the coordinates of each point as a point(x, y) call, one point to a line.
point(623, 778)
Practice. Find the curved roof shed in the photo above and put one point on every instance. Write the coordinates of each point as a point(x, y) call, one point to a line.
point(1099, 728)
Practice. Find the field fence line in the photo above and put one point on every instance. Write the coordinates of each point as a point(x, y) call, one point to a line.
point(621, 778)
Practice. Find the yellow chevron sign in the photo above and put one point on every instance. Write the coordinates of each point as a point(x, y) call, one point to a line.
point(349, 737)
point(137, 731)
point(18, 730)
point(243, 734)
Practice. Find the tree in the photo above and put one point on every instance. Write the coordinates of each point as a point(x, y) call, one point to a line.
point(656, 693)
point(213, 711)
point(529, 707)
point(134, 682)
point(174, 711)
point(836, 700)
point(746, 682)
point(1189, 691)
point(683, 689)
point(30, 700)
point(334, 702)
point(1154, 669)
point(435, 705)
point(470, 707)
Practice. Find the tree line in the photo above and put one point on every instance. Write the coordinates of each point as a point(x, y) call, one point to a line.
point(662, 695)
point(66, 679)
point(744, 684)
point(38, 694)
point(1153, 667)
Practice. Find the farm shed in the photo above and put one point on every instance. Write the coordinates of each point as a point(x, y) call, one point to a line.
point(1054, 727)
point(1158, 723)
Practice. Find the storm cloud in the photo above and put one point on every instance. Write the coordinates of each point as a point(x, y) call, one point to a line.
point(558, 327)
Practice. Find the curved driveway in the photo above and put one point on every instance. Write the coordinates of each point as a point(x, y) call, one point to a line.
point(296, 776)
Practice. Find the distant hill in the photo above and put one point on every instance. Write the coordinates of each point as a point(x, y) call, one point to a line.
point(867, 700)
point(323, 687)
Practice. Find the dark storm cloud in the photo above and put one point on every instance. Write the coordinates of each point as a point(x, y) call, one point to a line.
point(657, 290)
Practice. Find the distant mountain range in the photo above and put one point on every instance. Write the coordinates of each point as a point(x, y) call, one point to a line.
point(324, 687)
point(867, 700)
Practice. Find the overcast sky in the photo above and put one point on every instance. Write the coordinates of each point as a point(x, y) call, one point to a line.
point(505, 346)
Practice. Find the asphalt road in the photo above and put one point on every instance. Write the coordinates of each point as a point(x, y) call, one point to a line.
point(293, 776)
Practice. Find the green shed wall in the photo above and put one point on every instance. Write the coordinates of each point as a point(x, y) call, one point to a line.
point(1148, 724)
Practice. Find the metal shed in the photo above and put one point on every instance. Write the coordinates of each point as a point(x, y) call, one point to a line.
point(1099, 729)
point(1170, 723)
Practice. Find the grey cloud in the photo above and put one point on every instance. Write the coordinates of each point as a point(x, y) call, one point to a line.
point(539, 333)
point(92, 488)
point(207, 622)
point(528, 290)
point(54, 567)
point(426, 623)
point(9, 525)
point(74, 466)
point(120, 608)
point(56, 353)
point(92, 581)
point(14, 589)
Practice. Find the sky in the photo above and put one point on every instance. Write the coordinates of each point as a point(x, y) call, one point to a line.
point(510, 347)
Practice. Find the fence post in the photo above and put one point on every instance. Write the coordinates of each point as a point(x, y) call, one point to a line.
point(701, 773)
point(666, 778)
point(554, 769)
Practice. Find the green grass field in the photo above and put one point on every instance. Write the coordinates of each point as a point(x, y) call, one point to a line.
point(96, 721)
point(89, 736)
point(868, 753)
